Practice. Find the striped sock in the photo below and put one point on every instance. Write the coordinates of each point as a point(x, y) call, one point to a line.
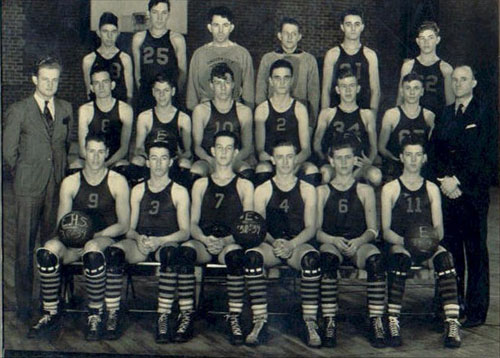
point(329, 293)
point(447, 288)
point(309, 292)
point(396, 288)
point(235, 293)
point(186, 291)
point(375, 291)
point(113, 290)
point(167, 285)
point(50, 282)
point(96, 285)
point(257, 290)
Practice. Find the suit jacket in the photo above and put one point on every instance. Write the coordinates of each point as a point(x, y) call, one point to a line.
point(28, 149)
point(467, 147)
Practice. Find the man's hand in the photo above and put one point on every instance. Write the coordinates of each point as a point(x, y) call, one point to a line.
point(143, 245)
point(353, 246)
point(340, 243)
point(448, 187)
point(283, 248)
point(214, 245)
point(362, 161)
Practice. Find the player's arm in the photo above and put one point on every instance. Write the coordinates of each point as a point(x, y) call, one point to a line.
point(128, 75)
point(69, 187)
point(261, 114)
point(135, 206)
point(373, 72)
point(201, 115)
point(368, 118)
point(262, 195)
point(391, 116)
point(126, 116)
point(245, 192)
point(331, 59)
point(85, 114)
point(119, 190)
point(367, 196)
point(197, 193)
point(446, 70)
point(246, 131)
point(185, 129)
point(390, 192)
point(137, 41)
point(405, 69)
point(308, 193)
point(87, 63)
point(324, 116)
point(436, 211)
point(179, 44)
point(430, 120)
point(322, 194)
point(143, 127)
point(304, 137)
point(262, 83)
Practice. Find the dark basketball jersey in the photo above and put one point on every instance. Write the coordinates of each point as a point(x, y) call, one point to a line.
point(115, 68)
point(157, 214)
point(165, 131)
point(344, 213)
point(406, 126)
point(344, 122)
point(358, 64)
point(96, 201)
point(220, 121)
point(221, 206)
point(285, 212)
point(411, 208)
point(109, 125)
point(157, 56)
point(434, 98)
point(282, 126)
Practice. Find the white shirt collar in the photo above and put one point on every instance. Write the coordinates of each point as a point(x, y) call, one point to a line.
point(41, 104)
point(464, 102)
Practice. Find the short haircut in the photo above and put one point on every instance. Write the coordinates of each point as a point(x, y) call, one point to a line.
point(220, 70)
point(466, 66)
point(284, 143)
point(99, 68)
point(96, 137)
point(281, 63)
point(345, 73)
point(108, 18)
point(153, 3)
point(341, 141)
point(413, 139)
point(352, 11)
point(165, 143)
point(222, 11)
point(164, 77)
point(289, 20)
point(46, 62)
point(225, 133)
point(428, 25)
point(412, 76)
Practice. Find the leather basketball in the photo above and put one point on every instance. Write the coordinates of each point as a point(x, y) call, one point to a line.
point(75, 229)
point(249, 230)
point(421, 241)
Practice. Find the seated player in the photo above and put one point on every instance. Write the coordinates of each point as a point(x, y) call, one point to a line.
point(107, 55)
point(289, 205)
point(348, 117)
point(221, 113)
point(104, 195)
point(217, 202)
point(410, 118)
point(412, 200)
point(159, 222)
point(282, 118)
point(347, 227)
point(106, 116)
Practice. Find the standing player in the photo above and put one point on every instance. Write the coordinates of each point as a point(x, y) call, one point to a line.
point(288, 204)
point(157, 50)
point(305, 83)
point(348, 117)
point(347, 226)
point(221, 49)
point(410, 118)
point(104, 195)
point(412, 200)
point(352, 55)
point(159, 223)
point(118, 63)
point(435, 73)
point(218, 201)
point(221, 113)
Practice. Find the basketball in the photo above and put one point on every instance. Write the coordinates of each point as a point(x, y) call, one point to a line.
point(75, 229)
point(249, 230)
point(421, 241)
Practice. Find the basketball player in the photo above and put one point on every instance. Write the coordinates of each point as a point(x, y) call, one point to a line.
point(159, 223)
point(282, 118)
point(106, 116)
point(221, 113)
point(158, 50)
point(407, 119)
point(347, 227)
point(220, 49)
point(288, 204)
point(412, 200)
point(352, 55)
point(434, 72)
point(305, 83)
point(348, 117)
point(218, 201)
point(104, 195)
point(107, 55)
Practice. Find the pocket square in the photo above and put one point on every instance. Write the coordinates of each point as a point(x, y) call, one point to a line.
point(65, 120)
point(473, 125)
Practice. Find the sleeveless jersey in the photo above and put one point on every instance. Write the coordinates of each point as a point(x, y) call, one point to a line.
point(157, 56)
point(220, 121)
point(344, 213)
point(411, 208)
point(359, 66)
point(433, 80)
point(281, 126)
point(96, 201)
point(405, 127)
point(165, 131)
point(221, 206)
point(344, 122)
point(115, 68)
point(109, 125)
point(285, 212)
point(157, 214)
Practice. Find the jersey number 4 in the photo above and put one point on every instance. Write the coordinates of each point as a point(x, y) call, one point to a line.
point(285, 206)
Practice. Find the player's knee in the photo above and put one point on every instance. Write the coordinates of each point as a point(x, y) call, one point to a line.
point(184, 177)
point(184, 163)
point(329, 264)
point(247, 173)
point(375, 268)
point(235, 262)
point(94, 263)
point(77, 164)
point(254, 263)
point(187, 258)
point(374, 176)
point(138, 160)
point(263, 172)
point(47, 261)
point(200, 168)
point(310, 264)
point(443, 264)
point(120, 163)
point(168, 260)
point(399, 264)
point(311, 174)
point(134, 173)
point(115, 259)
point(327, 173)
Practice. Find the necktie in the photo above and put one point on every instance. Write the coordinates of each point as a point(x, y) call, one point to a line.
point(460, 112)
point(48, 117)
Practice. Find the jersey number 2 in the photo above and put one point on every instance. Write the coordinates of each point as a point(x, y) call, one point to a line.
point(161, 55)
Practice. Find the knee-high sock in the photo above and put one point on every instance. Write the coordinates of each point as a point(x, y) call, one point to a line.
point(166, 289)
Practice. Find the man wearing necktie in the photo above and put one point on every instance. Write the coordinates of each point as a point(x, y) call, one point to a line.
point(465, 144)
point(35, 144)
